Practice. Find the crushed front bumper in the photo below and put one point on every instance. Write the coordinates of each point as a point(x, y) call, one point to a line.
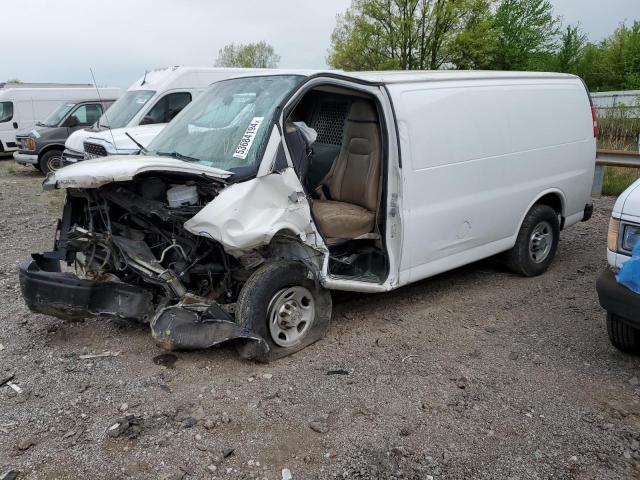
point(186, 326)
point(49, 291)
point(618, 299)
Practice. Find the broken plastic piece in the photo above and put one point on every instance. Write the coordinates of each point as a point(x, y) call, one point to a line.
point(195, 327)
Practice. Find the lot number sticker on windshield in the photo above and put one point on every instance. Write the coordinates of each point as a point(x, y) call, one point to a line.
point(247, 139)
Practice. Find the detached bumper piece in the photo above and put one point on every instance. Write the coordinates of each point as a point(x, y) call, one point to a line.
point(192, 326)
point(618, 299)
point(189, 325)
point(48, 291)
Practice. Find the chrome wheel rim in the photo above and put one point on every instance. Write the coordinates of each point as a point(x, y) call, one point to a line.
point(540, 242)
point(54, 163)
point(290, 314)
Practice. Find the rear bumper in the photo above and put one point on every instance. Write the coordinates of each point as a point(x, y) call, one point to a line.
point(48, 291)
point(25, 158)
point(617, 299)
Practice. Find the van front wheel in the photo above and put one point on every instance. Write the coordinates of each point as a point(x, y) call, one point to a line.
point(50, 161)
point(285, 307)
point(537, 242)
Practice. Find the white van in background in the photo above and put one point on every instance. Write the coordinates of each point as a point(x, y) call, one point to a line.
point(153, 99)
point(22, 105)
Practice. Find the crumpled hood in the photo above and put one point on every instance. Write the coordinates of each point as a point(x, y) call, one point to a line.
point(117, 140)
point(121, 168)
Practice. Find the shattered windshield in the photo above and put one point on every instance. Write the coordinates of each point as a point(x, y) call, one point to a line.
point(225, 127)
point(125, 108)
point(58, 114)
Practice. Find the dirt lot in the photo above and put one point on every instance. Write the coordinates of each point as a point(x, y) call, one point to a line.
point(474, 374)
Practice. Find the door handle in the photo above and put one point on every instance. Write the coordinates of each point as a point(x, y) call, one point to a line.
point(15, 124)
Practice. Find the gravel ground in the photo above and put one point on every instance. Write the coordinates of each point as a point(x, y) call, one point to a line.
point(477, 373)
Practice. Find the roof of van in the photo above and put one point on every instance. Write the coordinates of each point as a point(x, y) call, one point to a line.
point(162, 78)
point(409, 76)
point(44, 85)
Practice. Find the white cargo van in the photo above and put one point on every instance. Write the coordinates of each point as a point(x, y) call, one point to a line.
point(153, 99)
point(270, 191)
point(22, 105)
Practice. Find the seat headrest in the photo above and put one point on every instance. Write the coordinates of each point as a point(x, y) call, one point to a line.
point(363, 111)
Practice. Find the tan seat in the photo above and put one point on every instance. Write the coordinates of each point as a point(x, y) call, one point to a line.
point(354, 179)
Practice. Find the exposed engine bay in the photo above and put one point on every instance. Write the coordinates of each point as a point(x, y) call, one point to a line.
point(127, 246)
point(134, 232)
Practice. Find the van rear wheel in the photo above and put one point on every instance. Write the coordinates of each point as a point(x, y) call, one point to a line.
point(285, 307)
point(537, 242)
point(50, 161)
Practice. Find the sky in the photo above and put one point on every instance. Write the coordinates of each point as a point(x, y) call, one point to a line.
point(120, 39)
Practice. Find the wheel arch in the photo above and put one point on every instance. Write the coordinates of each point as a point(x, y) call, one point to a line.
point(553, 198)
point(48, 148)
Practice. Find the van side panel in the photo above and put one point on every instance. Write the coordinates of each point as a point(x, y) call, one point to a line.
point(477, 154)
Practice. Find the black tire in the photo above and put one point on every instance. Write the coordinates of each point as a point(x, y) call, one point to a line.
point(624, 337)
point(50, 161)
point(263, 288)
point(520, 258)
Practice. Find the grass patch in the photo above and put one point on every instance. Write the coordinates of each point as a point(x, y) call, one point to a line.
point(617, 179)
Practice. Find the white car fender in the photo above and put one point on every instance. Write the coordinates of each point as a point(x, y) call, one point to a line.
point(249, 214)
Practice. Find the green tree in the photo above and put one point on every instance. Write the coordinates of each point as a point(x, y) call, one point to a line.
point(527, 34)
point(474, 46)
point(572, 47)
point(251, 55)
point(408, 34)
point(14, 80)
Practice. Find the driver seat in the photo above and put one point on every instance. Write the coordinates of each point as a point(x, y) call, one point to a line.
point(349, 194)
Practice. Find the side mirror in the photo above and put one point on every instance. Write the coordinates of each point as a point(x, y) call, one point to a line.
point(72, 122)
point(147, 120)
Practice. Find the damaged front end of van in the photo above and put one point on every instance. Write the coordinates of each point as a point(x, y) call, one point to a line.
point(131, 252)
point(177, 242)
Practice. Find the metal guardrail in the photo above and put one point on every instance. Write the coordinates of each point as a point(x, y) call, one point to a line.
point(612, 158)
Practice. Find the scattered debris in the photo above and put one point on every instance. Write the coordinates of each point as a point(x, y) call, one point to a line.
point(339, 371)
point(129, 426)
point(286, 474)
point(319, 424)
point(228, 452)
point(173, 474)
point(10, 475)
point(26, 444)
point(124, 407)
point(1, 347)
point(409, 357)
point(331, 453)
point(106, 353)
point(189, 422)
point(7, 379)
point(462, 383)
point(267, 376)
point(15, 387)
point(167, 360)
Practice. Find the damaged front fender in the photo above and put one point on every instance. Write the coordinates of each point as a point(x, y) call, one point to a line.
point(247, 215)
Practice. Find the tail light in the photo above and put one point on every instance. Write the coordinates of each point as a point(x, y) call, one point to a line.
point(594, 117)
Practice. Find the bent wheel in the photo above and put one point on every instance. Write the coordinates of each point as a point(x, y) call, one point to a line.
point(281, 304)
